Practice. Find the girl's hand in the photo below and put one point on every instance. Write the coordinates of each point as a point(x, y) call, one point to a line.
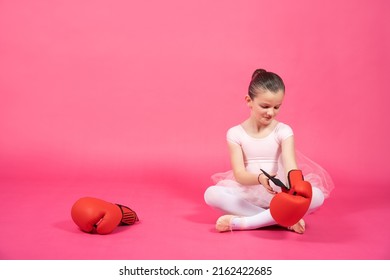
point(264, 181)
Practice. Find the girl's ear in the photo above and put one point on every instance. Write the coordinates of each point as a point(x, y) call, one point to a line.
point(248, 101)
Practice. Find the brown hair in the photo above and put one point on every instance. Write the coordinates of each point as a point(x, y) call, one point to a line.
point(263, 80)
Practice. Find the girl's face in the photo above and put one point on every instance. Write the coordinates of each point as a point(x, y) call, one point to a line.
point(265, 106)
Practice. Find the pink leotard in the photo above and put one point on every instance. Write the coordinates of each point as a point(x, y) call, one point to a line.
point(263, 152)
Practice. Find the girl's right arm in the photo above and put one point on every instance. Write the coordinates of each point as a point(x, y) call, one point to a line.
point(241, 175)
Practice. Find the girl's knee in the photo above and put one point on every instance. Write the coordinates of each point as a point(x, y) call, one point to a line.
point(317, 200)
point(210, 195)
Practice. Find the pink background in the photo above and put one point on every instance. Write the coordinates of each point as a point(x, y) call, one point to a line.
point(136, 96)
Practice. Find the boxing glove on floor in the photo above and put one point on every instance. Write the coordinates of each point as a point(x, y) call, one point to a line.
point(96, 214)
point(289, 206)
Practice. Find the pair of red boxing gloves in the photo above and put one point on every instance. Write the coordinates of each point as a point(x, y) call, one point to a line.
point(290, 205)
point(96, 215)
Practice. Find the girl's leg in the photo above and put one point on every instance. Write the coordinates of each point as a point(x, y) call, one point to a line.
point(264, 218)
point(317, 200)
point(222, 198)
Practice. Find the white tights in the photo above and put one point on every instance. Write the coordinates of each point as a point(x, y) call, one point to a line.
point(251, 216)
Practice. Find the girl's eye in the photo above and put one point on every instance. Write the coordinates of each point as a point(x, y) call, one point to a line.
point(267, 107)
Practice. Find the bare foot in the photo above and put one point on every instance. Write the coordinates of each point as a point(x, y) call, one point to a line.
point(298, 227)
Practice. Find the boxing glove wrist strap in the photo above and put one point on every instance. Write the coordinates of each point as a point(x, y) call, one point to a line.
point(129, 216)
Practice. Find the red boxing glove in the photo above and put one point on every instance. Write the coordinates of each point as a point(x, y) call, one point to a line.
point(93, 213)
point(289, 206)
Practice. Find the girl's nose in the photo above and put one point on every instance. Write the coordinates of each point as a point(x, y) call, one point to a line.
point(271, 112)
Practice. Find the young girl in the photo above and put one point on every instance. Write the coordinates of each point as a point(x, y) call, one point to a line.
point(261, 142)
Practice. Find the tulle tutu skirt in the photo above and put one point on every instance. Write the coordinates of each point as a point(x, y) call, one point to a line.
point(257, 194)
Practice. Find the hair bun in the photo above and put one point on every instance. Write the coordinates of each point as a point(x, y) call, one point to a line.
point(257, 72)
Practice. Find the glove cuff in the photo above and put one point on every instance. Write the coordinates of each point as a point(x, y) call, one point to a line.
point(293, 176)
point(129, 217)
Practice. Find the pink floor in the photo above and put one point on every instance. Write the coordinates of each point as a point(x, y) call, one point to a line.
point(176, 224)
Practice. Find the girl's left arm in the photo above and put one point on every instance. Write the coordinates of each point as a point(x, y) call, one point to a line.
point(288, 154)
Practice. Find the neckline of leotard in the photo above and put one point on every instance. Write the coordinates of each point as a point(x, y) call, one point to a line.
point(259, 138)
